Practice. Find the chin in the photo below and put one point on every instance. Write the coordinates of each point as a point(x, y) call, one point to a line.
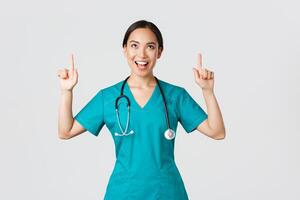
point(142, 72)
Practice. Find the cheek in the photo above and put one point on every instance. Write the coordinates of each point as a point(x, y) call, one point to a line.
point(130, 59)
point(130, 55)
point(152, 54)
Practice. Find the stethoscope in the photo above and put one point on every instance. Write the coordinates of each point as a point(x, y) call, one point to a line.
point(169, 133)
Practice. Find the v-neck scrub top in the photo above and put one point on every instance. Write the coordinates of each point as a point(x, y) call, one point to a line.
point(145, 168)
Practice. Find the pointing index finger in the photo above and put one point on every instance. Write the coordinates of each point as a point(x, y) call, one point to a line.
point(199, 61)
point(72, 62)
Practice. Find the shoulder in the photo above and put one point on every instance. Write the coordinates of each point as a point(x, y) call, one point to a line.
point(171, 88)
point(112, 89)
point(110, 92)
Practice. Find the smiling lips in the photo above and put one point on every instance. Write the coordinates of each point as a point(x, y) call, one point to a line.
point(141, 64)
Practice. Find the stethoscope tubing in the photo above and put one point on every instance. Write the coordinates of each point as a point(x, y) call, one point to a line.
point(124, 132)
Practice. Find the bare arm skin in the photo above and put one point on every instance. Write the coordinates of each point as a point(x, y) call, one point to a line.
point(213, 126)
point(67, 126)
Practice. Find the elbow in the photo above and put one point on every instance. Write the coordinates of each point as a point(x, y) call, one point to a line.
point(63, 136)
point(220, 135)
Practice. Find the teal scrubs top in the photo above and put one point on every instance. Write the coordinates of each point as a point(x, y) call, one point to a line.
point(145, 167)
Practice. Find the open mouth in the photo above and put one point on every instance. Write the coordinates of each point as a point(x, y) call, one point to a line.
point(141, 64)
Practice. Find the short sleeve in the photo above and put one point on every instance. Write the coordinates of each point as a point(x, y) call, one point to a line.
point(91, 116)
point(190, 113)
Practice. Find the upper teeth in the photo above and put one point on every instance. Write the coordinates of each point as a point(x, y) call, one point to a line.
point(141, 62)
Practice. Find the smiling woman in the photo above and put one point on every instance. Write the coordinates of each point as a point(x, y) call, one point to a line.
point(143, 119)
point(142, 45)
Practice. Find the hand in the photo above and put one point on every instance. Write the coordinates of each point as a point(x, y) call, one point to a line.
point(68, 78)
point(203, 77)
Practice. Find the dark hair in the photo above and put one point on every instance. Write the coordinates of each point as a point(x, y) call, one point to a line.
point(144, 24)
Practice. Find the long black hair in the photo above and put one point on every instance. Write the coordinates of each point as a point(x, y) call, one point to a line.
point(144, 24)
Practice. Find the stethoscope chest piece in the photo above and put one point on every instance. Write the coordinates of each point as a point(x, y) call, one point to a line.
point(170, 134)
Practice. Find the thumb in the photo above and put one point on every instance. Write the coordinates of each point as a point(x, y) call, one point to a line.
point(196, 73)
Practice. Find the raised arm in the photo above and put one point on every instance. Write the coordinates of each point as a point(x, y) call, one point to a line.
point(67, 126)
point(214, 125)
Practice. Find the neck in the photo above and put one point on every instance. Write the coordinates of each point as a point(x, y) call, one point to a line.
point(141, 82)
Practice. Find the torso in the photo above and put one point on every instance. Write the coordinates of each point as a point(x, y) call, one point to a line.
point(144, 158)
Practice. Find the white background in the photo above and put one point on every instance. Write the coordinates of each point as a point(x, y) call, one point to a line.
point(252, 46)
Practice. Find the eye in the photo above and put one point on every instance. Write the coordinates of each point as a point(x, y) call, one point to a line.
point(151, 46)
point(133, 45)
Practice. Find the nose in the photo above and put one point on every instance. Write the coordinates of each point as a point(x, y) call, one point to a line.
point(142, 53)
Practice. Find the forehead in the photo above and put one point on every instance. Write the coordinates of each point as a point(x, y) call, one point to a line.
point(142, 35)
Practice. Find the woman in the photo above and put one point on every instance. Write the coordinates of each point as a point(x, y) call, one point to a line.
point(144, 131)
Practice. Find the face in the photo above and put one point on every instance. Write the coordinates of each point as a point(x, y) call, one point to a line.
point(142, 51)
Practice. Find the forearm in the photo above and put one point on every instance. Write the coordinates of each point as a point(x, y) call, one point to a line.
point(215, 119)
point(65, 118)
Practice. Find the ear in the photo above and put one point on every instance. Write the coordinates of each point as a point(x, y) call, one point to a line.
point(160, 50)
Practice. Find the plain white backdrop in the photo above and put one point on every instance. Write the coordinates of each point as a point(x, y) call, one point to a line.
point(253, 47)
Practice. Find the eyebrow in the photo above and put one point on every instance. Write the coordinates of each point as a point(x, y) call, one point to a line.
point(138, 42)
